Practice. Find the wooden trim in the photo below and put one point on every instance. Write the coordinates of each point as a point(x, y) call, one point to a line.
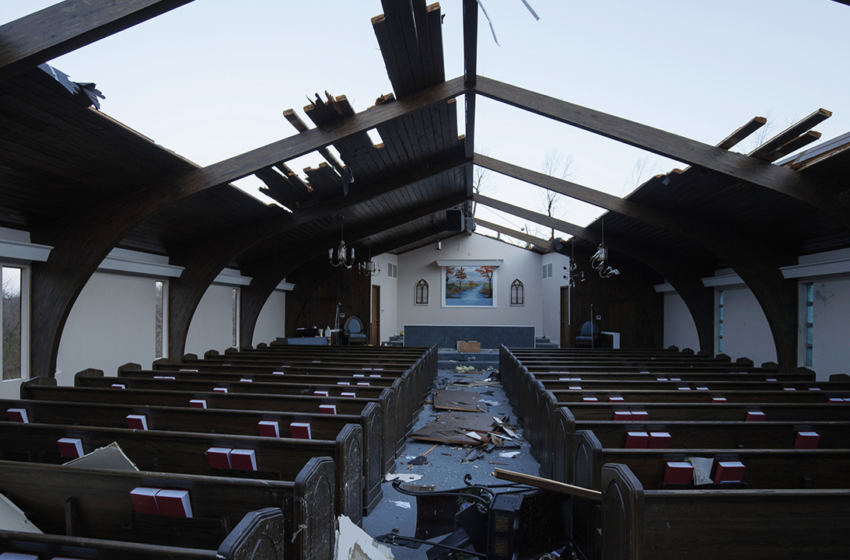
point(547, 484)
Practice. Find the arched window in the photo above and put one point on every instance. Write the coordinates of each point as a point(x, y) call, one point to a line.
point(517, 293)
point(422, 292)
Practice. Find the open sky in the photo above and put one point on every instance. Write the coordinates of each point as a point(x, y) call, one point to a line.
point(211, 79)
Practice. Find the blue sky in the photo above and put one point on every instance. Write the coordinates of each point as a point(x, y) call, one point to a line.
point(210, 80)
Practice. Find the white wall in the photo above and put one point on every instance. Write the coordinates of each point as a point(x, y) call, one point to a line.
point(551, 294)
point(679, 327)
point(111, 323)
point(272, 320)
point(389, 296)
point(745, 329)
point(518, 263)
point(212, 324)
point(831, 326)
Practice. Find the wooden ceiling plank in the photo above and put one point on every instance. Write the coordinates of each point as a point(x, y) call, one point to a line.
point(739, 135)
point(398, 70)
point(793, 145)
point(802, 187)
point(536, 241)
point(793, 131)
point(435, 28)
point(403, 33)
point(69, 25)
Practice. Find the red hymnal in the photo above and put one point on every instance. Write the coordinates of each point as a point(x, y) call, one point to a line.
point(119, 386)
point(343, 383)
point(637, 440)
point(269, 428)
point(18, 415)
point(137, 421)
point(327, 408)
point(71, 447)
point(220, 390)
point(144, 500)
point(755, 416)
point(718, 399)
point(174, 503)
point(622, 415)
point(806, 440)
point(348, 394)
point(659, 440)
point(616, 399)
point(363, 384)
point(640, 416)
point(589, 399)
point(300, 430)
point(22, 556)
point(198, 403)
point(729, 471)
point(320, 393)
point(243, 459)
point(219, 457)
point(678, 473)
point(574, 388)
point(244, 380)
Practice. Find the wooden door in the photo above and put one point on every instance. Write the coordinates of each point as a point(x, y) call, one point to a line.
point(375, 326)
point(565, 317)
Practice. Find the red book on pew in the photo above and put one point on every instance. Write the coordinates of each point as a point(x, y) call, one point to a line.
point(243, 459)
point(320, 393)
point(574, 388)
point(300, 430)
point(363, 385)
point(684, 388)
point(71, 447)
point(640, 416)
point(352, 395)
point(678, 473)
point(244, 380)
point(198, 403)
point(729, 471)
point(269, 428)
point(589, 399)
point(174, 503)
point(327, 408)
point(836, 400)
point(163, 377)
point(622, 415)
point(21, 556)
point(219, 457)
point(220, 390)
point(137, 421)
point(659, 440)
point(702, 388)
point(343, 383)
point(118, 386)
point(18, 415)
point(806, 440)
point(718, 400)
point(637, 440)
point(144, 500)
point(616, 399)
point(755, 416)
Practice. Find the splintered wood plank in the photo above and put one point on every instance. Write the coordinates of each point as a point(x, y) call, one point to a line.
point(468, 401)
point(452, 427)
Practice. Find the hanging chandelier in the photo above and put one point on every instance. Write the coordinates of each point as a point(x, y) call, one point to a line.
point(370, 268)
point(575, 275)
point(597, 261)
point(342, 258)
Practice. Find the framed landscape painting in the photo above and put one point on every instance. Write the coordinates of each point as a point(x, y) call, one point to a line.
point(469, 286)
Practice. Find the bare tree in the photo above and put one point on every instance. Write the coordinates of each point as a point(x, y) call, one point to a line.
point(558, 165)
point(644, 168)
point(481, 177)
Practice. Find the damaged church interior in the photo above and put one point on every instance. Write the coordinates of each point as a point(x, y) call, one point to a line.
point(369, 324)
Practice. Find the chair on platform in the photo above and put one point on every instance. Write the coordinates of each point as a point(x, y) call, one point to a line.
point(352, 332)
point(585, 339)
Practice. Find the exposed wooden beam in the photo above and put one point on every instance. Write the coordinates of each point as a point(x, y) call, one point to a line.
point(764, 151)
point(69, 25)
point(799, 186)
point(536, 241)
point(470, 41)
point(537, 218)
point(311, 140)
point(292, 117)
point(733, 139)
point(793, 145)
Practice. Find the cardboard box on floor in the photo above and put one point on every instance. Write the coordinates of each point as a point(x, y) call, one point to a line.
point(464, 346)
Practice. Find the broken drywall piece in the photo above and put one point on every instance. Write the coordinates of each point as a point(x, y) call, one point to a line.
point(353, 543)
point(509, 454)
point(403, 505)
point(13, 519)
point(109, 457)
point(402, 477)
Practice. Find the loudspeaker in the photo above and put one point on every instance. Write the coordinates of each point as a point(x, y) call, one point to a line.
point(455, 220)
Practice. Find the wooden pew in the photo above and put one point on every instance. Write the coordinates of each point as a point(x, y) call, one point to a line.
point(237, 422)
point(186, 453)
point(44, 388)
point(88, 513)
point(644, 524)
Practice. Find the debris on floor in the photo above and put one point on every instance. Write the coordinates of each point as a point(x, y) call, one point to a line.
point(402, 477)
point(353, 543)
point(467, 401)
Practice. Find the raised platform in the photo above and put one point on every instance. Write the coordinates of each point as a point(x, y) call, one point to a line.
point(490, 336)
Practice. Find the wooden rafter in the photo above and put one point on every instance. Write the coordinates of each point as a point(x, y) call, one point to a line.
point(69, 25)
point(536, 241)
point(799, 186)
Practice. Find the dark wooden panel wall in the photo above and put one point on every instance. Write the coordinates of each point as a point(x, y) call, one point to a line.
point(318, 288)
point(628, 304)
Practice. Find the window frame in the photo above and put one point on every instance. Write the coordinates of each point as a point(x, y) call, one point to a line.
point(809, 324)
point(422, 284)
point(719, 334)
point(517, 293)
point(26, 276)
